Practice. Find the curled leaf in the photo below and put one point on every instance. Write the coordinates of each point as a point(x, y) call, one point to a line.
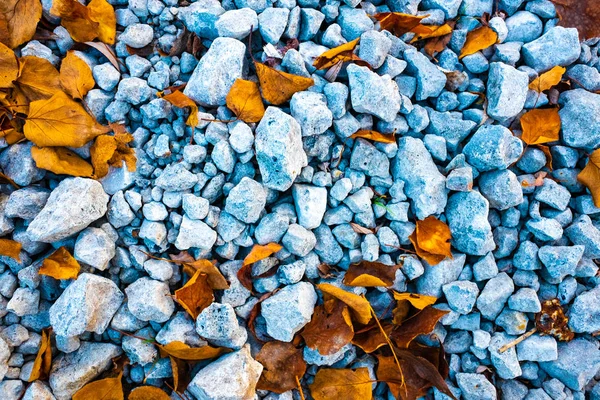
point(277, 87)
point(148, 393)
point(245, 101)
point(342, 53)
point(9, 68)
point(195, 295)
point(434, 32)
point(540, 126)
point(282, 363)
point(548, 79)
point(76, 76)
point(419, 324)
point(178, 99)
point(38, 79)
point(60, 265)
point(347, 384)
point(361, 310)
point(61, 160)
point(374, 136)
point(419, 301)
point(370, 274)
point(479, 39)
point(431, 240)
point(182, 351)
point(590, 176)
point(18, 21)
point(43, 359)
point(438, 44)
point(85, 24)
point(260, 252)
point(110, 151)
point(10, 248)
point(400, 23)
point(215, 278)
point(330, 328)
point(105, 389)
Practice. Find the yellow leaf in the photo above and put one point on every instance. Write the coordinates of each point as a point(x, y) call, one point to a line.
point(278, 87)
point(195, 295)
point(590, 176)
point(112, 151)
point(431, 240)
point(342, 53)
point(361, 310)
point(61, 160)
point(9, 68)
point(102, 12)
point(60, 265)
point(245, 101)
point(346, 384)
point(260, 252)
point(400, 23)
point(85, 24)
point(18, 21)
point(76, 76)
point(540, 126)
point(38, 79)
point(43, 359)
point(374, 136)
point(419, 301)
point(10, 248)
point(104, 389)
point(148, 393)
point(479, 39)
point(182, 351)
point(548, 79)
point(178, 99)
point(436, 31)
point(215, 278)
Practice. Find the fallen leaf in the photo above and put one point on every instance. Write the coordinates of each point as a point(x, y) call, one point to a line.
point(258, 252)
point(360, 229)
point(438, 44)
point(9, 68)
point(182, 351)
point(581, 14)
point(60, 121)
point(548, 79)
point(590, 176)
point(19, 19)
point(43, 359)
point(61, 160)
point(434, 32)
point(400, 312)
point(479, 39)
point(419, 301)
point(195, 295)
point(553, 321)
point(245, 101)
point(107, 52)
point(360, 307)
point(374, 136)
point(399, 23)
point(215, 278)
point(431, 240)
point(421, 323)
point(371, 338)
point(540, 126)
point(104, 389)
point(370, 274)
point(342, 53)
point(548, 155)
point(346, 384)
point(76, 76)
point(38, 79)
point(148, 393)
point(85, 24)
point(178, 99)
point(110, 151)
point(277, 87)
point(10, 248)
point(254, 312)
point(330, 328)
point(282, 363)
point(60, 265)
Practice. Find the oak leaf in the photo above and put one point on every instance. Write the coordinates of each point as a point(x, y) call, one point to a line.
point(38, 79)
point(195, 295)
point(277, 87)
point(419, 301)
point(360, 307)
point(60, 121)
point(374, 136)
point(342, 53)
point(370, 274)
point(19, 19)
point(61, 160)
point(421, 323)
point(347, 384)
point(105, 389)
point(581, 14)
point(434, 32)
point(112, 151)
point(330, 328)
point(60, 265)
point(258, 252)
point(148, 393)
point(479, 39)
point(85, 24)
point(76, 76)
point(590, 176)
point(431, 240)
point(548, 79)
point(10, 248)
point(178, 99)
point(400, 23)
point(245, 101)
point(540, 125)
point(43, 359)
point(282, 363)
point(9, 68)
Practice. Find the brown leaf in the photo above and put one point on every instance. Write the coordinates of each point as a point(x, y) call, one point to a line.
point(374, 136)
point(434, 32)
point(548, 79)
point(346, 384)
point(342, 53)
point(19, 18)
point(361, 310)
point(85, 24)
point(43, 359)
point(548, 155)
point(76, 76)
point(581, 14)
point(61, 160)
point(360, 229)
point(330, 328)
point(258, 252)
point(10, 248)
point(215, 278)
point(60, 265)
point(371, 338)
point(195, 295)
point(38, 79)
point(182, 351)
point(540, 126)
point(107, 52)
point(553, 321)
point(419, 301)
point(400, 23)
point(9, 68)
point(479, 39)
point(277, 87)
point(370, 274)
point(431, 240)
point(178, 99)
point(421, 323)
point(104, 389)
point(590, 176)
point(282, 363)
point(438, 44)
point(245, 101)
point(110, 151)
point(148, 393)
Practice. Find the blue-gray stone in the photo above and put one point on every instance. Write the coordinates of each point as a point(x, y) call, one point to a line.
point(523, 27)
point(354, 21)
point(584, 233)
point(311, 112)
point(449, 7)
point(537, 348)
point(374, 46)
point(461, 295)
point(501, 188)
point(493, 296)
point(467, 214)
point(506, 363)
point(558, 46)
point(272, 23)
point(448, 125)
point(373, 94)
point(559, 261)
point(430, 80)
point(436, 276)
point(506, 91)
point(246, 200)
point(578, 361)
point(580, 117)
point(493, 147)
point(475, 387)
point(237, 24)
point(200, 17)
point(584, 315)
point(366, 158)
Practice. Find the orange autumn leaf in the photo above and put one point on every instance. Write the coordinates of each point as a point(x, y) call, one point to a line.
point(60, 265)
point(9, 68)
point(277, 87)
point(148, 393)
point(18, 21)
point(215, 278)
point(400, 23)
point(195, 295)
point(43, 359)
point(245, 101)
point(105, 389)
point(10, 248)
point(435, 32)
point(103, 12)
point(110, 151)
point(580, 14)
point(590, 176)
point(479, 39)
point(540, 126)
point(76, 76)
point(342, 53)
point(548, 79)
point(85, 24)
point(38, 79)
point(182, 351)
point(419, 301)
point(370, 274)
point(347, 384)
point(431, 240)
point(282, 363)
point(371, 338)
point(439, 43)
point(330, 328)
point(548, 155)
point(374, 136)
point(180, 100)
point(360, 307)
point(260, 252)
point(61, 160)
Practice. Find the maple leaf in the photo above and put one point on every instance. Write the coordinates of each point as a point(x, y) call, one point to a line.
point(419, 301)
point(61, 160)
point(419, 324)
point(76, 76)
point(19, 19)
point(148, 393)
point(361, 310)
point(590, 176)
point(330, 328)
point(10, 248)
point(60, 265)
point(9, 68)
point(370, 274)
point(245, 101)
point(195, 295)
point(85, 24)
point(347, 384)
point(38, 79)
point(277, 87)
point(399, 23)
point(339, 54)
point(581, 14)
point(540, 126)
point(110, 151)
point(431, 240)
point(258, 252)
point(374, 136)
point(479, 39)
point(282, 363)
point(548, 79)
point(43, 359)
point(178, 99)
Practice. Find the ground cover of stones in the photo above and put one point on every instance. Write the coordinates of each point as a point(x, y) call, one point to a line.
point(398, 223)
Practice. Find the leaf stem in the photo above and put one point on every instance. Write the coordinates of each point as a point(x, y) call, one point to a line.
point(517, 340)
point(299, 388)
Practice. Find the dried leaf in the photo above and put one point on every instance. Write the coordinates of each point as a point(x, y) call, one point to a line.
point(371, 338)
point(110, 151)
point(38, 79)
point(195, 295)
point(215, 278)
point(346, 384)
point(431, 240)
point(9, 68)
point(61, 160)
point(277, 87)
point(374, 136)
point(360, 229)
point(104, 389)
point(60, 121)
point(370, 274)
point(245, 101)
point(330, 328)
point(419, 301)
point(540, 126)
point(435, 32)
point(5, 179)
point(76, 76)
point(85, 24)
point(400, 312)
point(421, 323)
point(361, 310)
point(43, 359)
point(148, 393)
point(282, 363)
point(400, 23)
point(342, 53)
point(60, 265)
point(548, 155)
point(548, 79)
point(581, 14)
point(590, 176)
point(438, 44)
point(479, 39)
point(178, 99)
point(553, 321)
point(19, 18)
point(107, 52)
point(260, 252)
point(182, 351)
point(10, 248)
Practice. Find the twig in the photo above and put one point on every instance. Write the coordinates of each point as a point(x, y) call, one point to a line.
point(517, 340)
point(299, 388)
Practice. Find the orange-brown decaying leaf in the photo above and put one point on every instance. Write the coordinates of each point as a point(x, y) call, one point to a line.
point(76, 76)
point(148, 393)
point(347, 384)
point(10, 248)
point(195, 295)
point(215, 278)
point(85, 24)
point(60, 265)
point(178, 99)
point(182, 351)
point(374, 136)
point(105, 389)
point(330, 328)
point(371, 338)
point(282, 363)
point(277, 87)
point(581, 14)
point(431, 240)
point(421, 323)
point(479, 39)
point(245, 101)
point(61, 160)
point(548, 79)
point(400, 23)
point(435, 32)
point(342, 53)
point(18, 21)
point(38, 79)
point(360, 307)
point(370, 274)
point(419, 301)
point(439, 43)
point(103, 12)
point(43, 359)
point(9, 68)
point(110, 151)
point(260, 252)
point(540, 125)
point(590, 176)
